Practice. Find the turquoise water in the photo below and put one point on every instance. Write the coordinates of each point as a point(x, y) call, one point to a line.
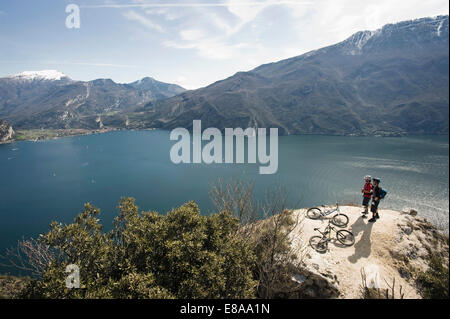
point(50, 180)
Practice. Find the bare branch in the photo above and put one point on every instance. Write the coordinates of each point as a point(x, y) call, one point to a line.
point(31, 256)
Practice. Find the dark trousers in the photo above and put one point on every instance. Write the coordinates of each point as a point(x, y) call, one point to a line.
point(366, 201)
point(374, 207)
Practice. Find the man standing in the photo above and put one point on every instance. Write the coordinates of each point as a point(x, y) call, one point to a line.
point(376, 197)
point(367, 194)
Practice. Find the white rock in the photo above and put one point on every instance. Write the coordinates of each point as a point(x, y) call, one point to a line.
point(372, 272)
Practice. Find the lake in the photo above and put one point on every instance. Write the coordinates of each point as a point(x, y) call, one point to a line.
point(51, 180)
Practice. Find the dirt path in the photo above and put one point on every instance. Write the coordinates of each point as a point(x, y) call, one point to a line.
point(371, 251)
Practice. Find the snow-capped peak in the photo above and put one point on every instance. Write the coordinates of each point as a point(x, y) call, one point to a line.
point(49, 75)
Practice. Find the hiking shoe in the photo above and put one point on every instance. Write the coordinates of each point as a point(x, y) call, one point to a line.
point(372, 220)
point(364, 213)
point(377, 217)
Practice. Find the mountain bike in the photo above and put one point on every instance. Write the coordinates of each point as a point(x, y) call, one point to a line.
point(339, 220)
point(320, 243)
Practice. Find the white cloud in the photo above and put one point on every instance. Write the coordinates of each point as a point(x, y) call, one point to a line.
point(109, 65)
point(192, 34)
point(183, 81)
point(330, 21)
point(169, 15)
point(243, 34)
point(144, 21)
point(211, 48)
point(186, 4)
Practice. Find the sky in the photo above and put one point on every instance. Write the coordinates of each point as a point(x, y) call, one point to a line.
point(192, 43)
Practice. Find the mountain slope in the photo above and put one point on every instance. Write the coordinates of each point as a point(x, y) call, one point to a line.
point(390, 81)
point(49, 99)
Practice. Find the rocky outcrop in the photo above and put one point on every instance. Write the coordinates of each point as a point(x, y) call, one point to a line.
point(416, 240)
point(395, 248)
point(6, 132)
point(313, 283)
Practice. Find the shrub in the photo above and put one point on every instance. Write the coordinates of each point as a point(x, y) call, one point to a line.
point(434, 282)
point(278, 258)
point(10, 285)
point(147, 255)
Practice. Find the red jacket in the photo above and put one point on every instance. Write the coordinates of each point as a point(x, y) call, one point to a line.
point(367, 191)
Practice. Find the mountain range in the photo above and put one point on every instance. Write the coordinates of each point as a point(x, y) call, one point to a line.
point(391, 81)
point(50, 99)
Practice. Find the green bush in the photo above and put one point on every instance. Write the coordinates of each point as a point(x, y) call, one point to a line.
point(147, 255)
point(435, 281)
point(10, 285)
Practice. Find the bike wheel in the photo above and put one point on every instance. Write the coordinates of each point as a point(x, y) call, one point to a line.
point(345, 237)
point(314, 213)
point(340, 220)
point(318, 244)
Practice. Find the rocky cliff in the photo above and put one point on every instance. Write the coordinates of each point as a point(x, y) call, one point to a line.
point(6, 132)
point(397, 247)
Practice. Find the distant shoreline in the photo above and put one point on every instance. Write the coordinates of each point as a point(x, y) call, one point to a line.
point(36, 135)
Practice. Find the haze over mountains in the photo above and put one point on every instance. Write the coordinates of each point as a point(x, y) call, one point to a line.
point(50, 99)
point(385, 82)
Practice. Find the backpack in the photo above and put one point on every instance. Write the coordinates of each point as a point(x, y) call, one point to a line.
point(383, 194)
